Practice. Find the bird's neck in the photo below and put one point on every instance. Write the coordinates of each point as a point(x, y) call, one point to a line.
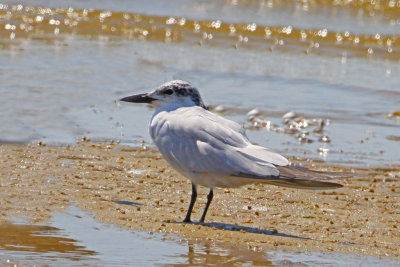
point(159, 120)
point(173, 106)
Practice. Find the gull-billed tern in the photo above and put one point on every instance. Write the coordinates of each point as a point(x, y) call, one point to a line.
point(213, 151)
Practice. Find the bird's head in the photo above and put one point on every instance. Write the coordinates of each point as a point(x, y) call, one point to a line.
point(173, 94)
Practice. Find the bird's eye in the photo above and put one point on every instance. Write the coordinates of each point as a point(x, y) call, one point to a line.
point(168, 92)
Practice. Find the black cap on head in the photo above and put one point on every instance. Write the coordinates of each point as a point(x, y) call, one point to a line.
point(181, 88)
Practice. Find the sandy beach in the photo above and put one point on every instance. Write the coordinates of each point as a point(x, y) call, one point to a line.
point(135, 188)
point(315, 81)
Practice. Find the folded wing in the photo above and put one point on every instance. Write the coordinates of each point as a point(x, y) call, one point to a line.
point(194, 140)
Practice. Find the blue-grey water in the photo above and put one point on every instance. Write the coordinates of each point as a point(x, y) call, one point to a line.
point(59, 88)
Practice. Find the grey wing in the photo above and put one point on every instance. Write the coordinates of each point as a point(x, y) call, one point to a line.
point(304, 173)
point(191, 155)
point(302, 178)
point(199, 141)
point(202, 142)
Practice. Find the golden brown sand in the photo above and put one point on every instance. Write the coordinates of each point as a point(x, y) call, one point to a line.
point(136, 189)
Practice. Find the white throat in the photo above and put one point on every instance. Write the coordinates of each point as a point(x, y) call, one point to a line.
point(172, 105)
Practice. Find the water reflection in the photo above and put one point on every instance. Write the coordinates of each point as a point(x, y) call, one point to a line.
point(74, 236)
point(43, 239)
point(209, 254)
point(54, 25)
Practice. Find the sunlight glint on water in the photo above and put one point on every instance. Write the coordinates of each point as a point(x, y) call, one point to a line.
point(68, 65)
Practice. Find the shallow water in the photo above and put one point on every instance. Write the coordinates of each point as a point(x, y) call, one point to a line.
point(67, 66)
point(63, 65)
point(75, 238)
point(63, 68)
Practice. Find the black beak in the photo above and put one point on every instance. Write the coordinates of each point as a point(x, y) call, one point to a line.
point(140, 98)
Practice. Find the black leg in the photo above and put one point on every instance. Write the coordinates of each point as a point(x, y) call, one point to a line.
point(209, 198)
point(192, 201)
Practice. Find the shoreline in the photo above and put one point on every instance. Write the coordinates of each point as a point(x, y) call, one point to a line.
point(136, 189)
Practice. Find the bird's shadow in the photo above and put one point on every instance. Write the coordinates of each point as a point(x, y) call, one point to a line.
point(238, 228)
point(231, 227)
point(129, 203)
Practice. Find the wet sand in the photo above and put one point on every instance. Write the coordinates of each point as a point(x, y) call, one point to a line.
point(136, 189)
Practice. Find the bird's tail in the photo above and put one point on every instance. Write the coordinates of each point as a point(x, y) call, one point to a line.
point(297, 172)
point(303, 178)
point(303, 184)
point(299, 177)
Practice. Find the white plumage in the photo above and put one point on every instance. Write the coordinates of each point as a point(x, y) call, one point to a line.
point(210, 150)
point(213, 151)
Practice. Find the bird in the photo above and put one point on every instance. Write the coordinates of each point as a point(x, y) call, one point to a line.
point(213, 151)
